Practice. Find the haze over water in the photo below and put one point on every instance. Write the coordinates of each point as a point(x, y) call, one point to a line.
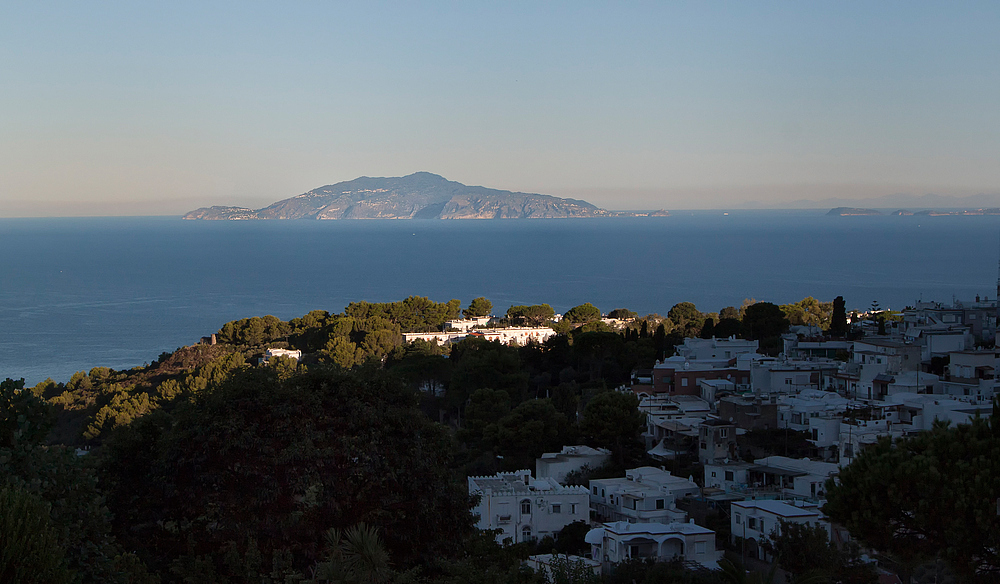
point(116, 292)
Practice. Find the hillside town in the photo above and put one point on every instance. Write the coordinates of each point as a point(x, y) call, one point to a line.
point(936, 363)
point(799, 440)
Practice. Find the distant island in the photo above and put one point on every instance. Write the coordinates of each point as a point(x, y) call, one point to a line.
point(421, 195)
point(854, 211)
point(851, 212)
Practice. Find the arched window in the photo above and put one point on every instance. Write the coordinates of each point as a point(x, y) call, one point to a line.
point(525, 533)
point(526, 507)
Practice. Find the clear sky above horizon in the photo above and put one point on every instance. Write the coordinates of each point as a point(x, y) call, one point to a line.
point(129, 108)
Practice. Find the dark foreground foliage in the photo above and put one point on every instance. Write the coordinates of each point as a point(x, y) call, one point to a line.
point(247, 477)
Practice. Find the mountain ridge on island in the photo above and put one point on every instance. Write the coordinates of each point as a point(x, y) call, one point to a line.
point(421, 195)
point(852, 212)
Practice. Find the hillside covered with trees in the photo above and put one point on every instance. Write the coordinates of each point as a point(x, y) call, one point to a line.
point(208, 466)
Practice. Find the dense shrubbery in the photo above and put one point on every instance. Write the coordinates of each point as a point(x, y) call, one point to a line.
point(250, 474)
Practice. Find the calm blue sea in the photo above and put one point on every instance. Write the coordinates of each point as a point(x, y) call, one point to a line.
point(116, 292)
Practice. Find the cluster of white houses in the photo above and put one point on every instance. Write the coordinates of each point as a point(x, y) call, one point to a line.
point(845, 395)
point(482, 327)
point(937, 363)
point(637, 515)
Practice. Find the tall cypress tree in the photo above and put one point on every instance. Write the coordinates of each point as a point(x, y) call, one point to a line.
point(838, 321)
point(660, 341)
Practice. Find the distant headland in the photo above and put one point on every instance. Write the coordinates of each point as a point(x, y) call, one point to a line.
point(421, 195)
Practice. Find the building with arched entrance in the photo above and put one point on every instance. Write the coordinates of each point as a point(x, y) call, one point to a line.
point(619, 541)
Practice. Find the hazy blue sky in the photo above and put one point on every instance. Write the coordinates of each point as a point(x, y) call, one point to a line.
point(157, 108)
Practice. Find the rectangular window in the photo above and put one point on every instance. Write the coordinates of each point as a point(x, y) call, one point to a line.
point(739, 518)
point(729, 475)
point(713, 474)
point(752, 522)
point(684, 381)
point(595, 489)
point(572, 509)
point(699, 547)
point(660, 504)
point(557, 508)
point(724, 433)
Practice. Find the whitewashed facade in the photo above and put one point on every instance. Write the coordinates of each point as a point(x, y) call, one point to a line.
point(524, 508)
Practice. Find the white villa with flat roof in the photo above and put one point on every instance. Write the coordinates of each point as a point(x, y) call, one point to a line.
point(644, 495)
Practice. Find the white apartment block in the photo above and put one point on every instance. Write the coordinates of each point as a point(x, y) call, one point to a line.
point(524, 508)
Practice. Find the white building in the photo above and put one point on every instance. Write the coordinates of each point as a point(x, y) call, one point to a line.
point(973, 374)
point(857, 433)
point(516, 335)
point(727, 478)
point(804, 478)
point(437, 337)
point(710, 389)
point(619, 541)
point(645, 495)
point(675, 406)
point(774, 477)
point(715, 349)
point(782, 376)
point(671, 437)
point(525, 508)
point(467, 324)
point(572, 458)
point(754, 521)
point(506, 336)
point(290, 353)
